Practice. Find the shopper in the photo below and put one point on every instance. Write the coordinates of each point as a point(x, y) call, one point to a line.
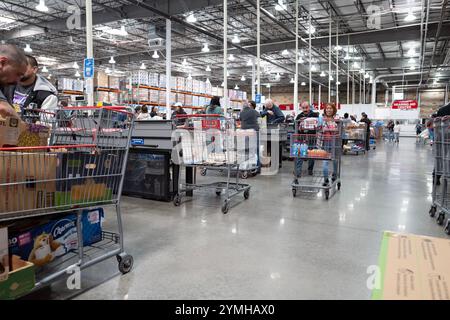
point(178, 113)
point(354, 118)
point(418, 130)
point(33, 91)
point(390, 128)
point(249, 116)
point(397, 130)
point(346, 120)
point(272, 112)
point(366, 120)
point(306, 113)
point(13, 65)
point(137, 110)
point(144, 115)
point(153, 113)
point(329, 127)
point(214, 106)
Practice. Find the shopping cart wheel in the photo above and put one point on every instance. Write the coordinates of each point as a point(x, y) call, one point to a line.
point(244, 174)
point(203, 172)
point(125, 263)
point(440, 219)
point(432, 211)
point(294, 192)
point(327, 194)
point(177, 200)
point(246, 194)
point(447, 227)
point(339, 186)
point(225, 207)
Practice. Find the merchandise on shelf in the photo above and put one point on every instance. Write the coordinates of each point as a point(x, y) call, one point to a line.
point(188, 85)
point(114, 83)
point(181, 85)
point(102, 96)
point(195, 86)
point(181, 98)
point(141, 94)
point(21, 280)
point(220, 91)
point(195, 101)
point(114, 97)
point(162, 98)
point(78, 85)
point(244, 96)
point(49, 239)
point(101, 79)
point(154, 95)
point(4, 255)
point(153, 79)
point(215, 91)
point(202, 89)
point(173, 83)
point(188, 101)
point(208, 89)
point(162, 80)
point(65, 84)
point(139, 78)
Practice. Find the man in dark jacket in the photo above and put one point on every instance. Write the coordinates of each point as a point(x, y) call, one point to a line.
point(33, 90)
point(306, 113)
point(249, 116)
point(365, 119)
point(273, 113)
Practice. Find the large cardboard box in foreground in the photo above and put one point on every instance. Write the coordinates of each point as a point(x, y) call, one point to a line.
point(21, 280)
point(26, 169)
point(413, 267)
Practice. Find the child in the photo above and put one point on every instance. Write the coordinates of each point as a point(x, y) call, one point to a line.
point(397, 130)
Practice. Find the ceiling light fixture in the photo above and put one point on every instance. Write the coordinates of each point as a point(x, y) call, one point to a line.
point(207, 81)
point(411, 61)
point(278, 77)
point(189, 77)
point(292, 80)
point(338, 48)
point(311, 29)
point(236, 39)
point(112, 61)
point(75, 65)
point(184, 63)
point(268, 85)
point(223, 84)
point(410, 17)
point(191, 18)
point(208, 69)
point(123, 31)
point(281, 6)
point(41, 6)
point(411, 52)
point(205, 48)
point(243, 78)
point(28, 48)
point(331, 78)
point(285, 52)
point(249, 63)
point(44, 69)
point(313, 68)
point(367, 75)
point(412, 68)
point(361, 71)
point(155, 55)
point(77, 74)
point(108, 70)
point(303, 84)
point(338, 83)
point(231, 57)
point(142, 67)
point(322, 74)
point(300, 60)
point(356, 65)
point(347, 57)
point(236, 87)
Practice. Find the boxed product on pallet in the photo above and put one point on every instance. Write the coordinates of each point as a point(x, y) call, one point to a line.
point(139, 77)
point(244, 95)
point(114, 82)
point(195, 101)
point(173, 98)
point(162, 80)
point(162, 98)
point(78, 85)
point(240, 95)
point(181, 85)
point(181, 98)
point(214, 91)
point(65, 84)
point(42, 241)
point(173, 83)
point(195, 86)
point(29, 181)
point(202, 89)
point(4, 254)
point(153, 79)
point(101, 79)
point(21, 279)
point(208, 88)
point(143, 94)
point(188, 100)
point(154, 95)
point(220, 91)
point(102, 96)
point(114, 97)
point(188, 85)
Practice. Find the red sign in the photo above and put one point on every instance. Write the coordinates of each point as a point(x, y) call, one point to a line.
point(290, 107)
point(286, 107)
point(405, 104)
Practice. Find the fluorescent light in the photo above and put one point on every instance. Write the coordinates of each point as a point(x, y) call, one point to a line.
point(303, 84)
point(410, 17)
point(155, 55)
point(285, 52)
point(292, 80)
point(77, 74)
point(142, 67)
point(44, 69)
point(205, 48)
point(191, 18)
point(249, 63)
point(236, 39)
point(243, 78)
point(75, 65)
point(236, 87)
point(208, 68)
point(28, 48)
point(41, 6)
point(112, 61)
point(231, 57)
point(322, 74)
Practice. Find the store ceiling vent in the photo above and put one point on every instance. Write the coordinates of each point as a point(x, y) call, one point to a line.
point(155, 40)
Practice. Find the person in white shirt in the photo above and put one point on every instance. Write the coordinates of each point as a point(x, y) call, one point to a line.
point(397, 130)
point(144, 115)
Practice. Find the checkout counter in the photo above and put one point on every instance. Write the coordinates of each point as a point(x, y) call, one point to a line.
point(150, 172)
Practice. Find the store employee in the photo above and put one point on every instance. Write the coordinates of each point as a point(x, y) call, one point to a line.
point(32, 90)
point(13, 65)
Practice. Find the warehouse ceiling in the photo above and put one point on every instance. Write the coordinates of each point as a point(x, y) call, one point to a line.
point(375, 37)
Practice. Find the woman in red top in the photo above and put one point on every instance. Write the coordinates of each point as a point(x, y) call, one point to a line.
point(330, 127)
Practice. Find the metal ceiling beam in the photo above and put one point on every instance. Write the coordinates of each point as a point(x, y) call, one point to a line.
point(131, 11)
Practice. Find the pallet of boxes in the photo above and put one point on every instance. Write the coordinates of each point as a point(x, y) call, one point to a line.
point(31, 236)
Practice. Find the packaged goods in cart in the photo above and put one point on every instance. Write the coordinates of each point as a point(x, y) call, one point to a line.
point(21, 279)
point(309, 124)
point(34, 135)
point(4, 254)
point(43, 241)
point(28, 181)
point(10, 130)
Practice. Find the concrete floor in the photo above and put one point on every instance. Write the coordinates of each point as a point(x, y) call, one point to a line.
point(272, 246)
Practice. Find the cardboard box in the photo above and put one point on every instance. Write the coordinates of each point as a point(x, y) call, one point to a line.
point(48, 239)
point(114, 82)
point(26, 169)
point(114, 98)
point(10, 130)
point(202, 89)
point(154, 96)
point(188, 100)
point(214, 91)
point(101, 80)
point(162, 80)
point(188, 85)
point(195, 102)
point(181, 98)
point(21, 280)
point(413, 267)
point(195, 86)
point(153, 79)
point(173, 83)
point(181, 85)
point(4, 254)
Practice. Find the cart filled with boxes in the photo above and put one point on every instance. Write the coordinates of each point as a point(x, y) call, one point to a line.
point(58, 172)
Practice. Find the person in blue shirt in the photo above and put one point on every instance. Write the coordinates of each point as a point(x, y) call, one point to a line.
point(214, 106)
point(273, 113)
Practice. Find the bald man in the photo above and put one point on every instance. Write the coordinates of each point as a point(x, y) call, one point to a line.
point(13, 65)
point(273, 113)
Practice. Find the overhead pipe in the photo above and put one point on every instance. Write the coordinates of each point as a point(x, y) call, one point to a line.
point(374, 84)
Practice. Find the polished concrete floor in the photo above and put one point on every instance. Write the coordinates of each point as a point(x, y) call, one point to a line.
point(272, 246)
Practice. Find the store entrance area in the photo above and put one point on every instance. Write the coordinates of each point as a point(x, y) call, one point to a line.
point(274, 246)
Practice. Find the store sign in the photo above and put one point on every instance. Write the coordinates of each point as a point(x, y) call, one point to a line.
point(286, 107)
point(89, 68)
point(405, 104)
point(137, 142)
point(258, 98)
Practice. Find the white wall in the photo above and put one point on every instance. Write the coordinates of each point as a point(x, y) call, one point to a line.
point(375, 112)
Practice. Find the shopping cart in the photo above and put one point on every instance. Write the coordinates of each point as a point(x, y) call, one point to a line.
point(211, 142)
point(323, 146)
point(82, 168)
point(354, 136)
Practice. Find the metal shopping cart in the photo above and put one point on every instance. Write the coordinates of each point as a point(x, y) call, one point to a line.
point(81, 168)
point(323, 146)
point(211, 142)
point(354, 136)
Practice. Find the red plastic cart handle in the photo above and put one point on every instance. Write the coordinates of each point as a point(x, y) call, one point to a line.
point(49, 147)
point(199, 115)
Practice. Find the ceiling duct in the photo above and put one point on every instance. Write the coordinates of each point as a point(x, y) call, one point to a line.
point(155, 39)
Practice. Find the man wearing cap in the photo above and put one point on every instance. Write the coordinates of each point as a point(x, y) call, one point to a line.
point(179, 111)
